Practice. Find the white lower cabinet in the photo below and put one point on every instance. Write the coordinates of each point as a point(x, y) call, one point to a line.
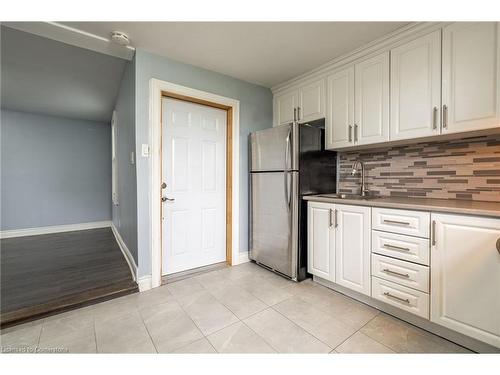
point(457, 288)
point(352, 247)
point(321, 240)
point(339, 244)
point(408, 299)
point(465, 275)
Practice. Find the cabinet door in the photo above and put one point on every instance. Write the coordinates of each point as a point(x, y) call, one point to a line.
point(372, 100)
point(416, 88)
point(320, 240)
point(465, 276)
point(284, 105)
point(352, 248)
point(311, 101)
point(340, 109)
point(471, 85)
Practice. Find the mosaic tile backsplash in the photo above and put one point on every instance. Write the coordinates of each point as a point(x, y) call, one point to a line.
point(468, 168)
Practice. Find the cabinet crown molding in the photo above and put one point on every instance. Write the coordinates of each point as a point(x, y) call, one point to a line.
point(391, 40)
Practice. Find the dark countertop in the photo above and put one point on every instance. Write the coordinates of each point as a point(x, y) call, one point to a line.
point(455, 206)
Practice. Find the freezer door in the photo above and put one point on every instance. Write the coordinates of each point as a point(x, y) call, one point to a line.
point(272, 149)
point(274, 221)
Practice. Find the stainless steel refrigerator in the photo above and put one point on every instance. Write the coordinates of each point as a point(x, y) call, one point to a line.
point(286, 163)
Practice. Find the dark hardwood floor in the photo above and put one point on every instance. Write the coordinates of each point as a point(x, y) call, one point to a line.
point(54, 272)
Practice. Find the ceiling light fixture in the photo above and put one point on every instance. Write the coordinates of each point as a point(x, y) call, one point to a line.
point(120, 38)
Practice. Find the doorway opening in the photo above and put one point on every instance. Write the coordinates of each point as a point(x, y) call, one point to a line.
point(194, 161)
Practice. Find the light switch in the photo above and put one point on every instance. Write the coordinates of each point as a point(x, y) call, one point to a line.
point(145, 150)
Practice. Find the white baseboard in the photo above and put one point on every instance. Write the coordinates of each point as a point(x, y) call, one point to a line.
point(144, 283)
point(126, 252)
point(242, 258)
point(53, 229)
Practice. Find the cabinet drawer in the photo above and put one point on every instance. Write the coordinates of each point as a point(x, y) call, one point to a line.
point(404, 273)
point(412, 249)
point(413, 223)
point(407, 299)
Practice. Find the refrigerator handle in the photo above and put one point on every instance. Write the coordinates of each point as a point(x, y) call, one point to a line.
point(286, 171)
point(287, 149)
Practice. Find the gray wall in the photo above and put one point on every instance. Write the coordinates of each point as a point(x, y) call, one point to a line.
point(53, 170)
point(125, 214)
point(255, 114)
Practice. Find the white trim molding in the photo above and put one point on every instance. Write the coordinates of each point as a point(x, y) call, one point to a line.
point(242, 258)
point(75, 37)
point(144, 283)
point(125, 251)
point(155, 89)
point(53, 229)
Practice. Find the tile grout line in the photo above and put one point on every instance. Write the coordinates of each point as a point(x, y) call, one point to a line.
point(95, 334)
point(268, 343)
point(302, 328)
point(190, 318)
point(147, 330)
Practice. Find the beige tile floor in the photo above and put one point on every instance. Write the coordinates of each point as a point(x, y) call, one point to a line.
point(242, 309)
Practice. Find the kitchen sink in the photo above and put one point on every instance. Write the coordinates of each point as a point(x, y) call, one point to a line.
point(347, 196)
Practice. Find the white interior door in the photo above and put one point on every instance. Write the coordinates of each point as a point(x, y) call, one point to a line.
point(194, 170)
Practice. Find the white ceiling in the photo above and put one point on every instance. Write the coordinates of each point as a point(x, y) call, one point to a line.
point(44, 76)
point(265, 53)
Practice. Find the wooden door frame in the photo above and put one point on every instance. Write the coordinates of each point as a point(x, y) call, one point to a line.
point(159, 90)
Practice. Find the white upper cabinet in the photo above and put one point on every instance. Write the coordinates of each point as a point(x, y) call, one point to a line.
point(311, 101)
point(416, 88)
point(471, 69)
point(321, 240)
point(340, 109)
point(465, 276)
point(307, 103)
point(445, 81)
point(371, 123)
point(352, 248)
point(285, 107)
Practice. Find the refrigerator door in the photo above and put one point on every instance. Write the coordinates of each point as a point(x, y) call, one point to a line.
point(272, 149)
point(274, 221)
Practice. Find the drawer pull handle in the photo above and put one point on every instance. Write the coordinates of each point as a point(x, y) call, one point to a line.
point(396, 222)
point(394, 247)
point(405, 275)
point(387, 294)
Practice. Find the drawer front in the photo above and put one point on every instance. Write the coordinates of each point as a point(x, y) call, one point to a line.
point(413, 223)
point(404, 273)
point(412, 249)
point(407, 299)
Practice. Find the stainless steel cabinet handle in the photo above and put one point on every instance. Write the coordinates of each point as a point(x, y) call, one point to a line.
point(298, 113)
point(394, 247)
point(434, 117)
point(433, 233)
point(396, 222)
point(336, 221)
point(350, 132)
point(165, 199)
point(330, 221)
point(498, 246)
point(355, 132)
point(407, 301)
point(445, 116)
point(294, 114)
point(405, 275)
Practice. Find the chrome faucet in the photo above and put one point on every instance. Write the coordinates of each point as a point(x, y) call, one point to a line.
point(355, 167)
